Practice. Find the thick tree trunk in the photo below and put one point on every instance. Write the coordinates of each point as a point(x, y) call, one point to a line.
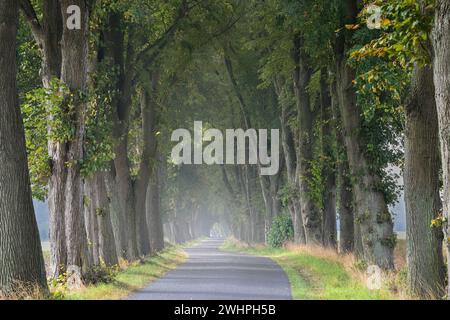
point(21, 259)
point(114, 45)
point(49, 40)
point(148, 163)
point(346, 217)
point(141, 185)
point(74, 68)
point(309, 210)
point(329, 170)
point(117, 217)
point(345, 195)
point(423, 204)
point(287, 142)
point(441, 38)
point(117, 178)
point(52, 27)
point(126, 195)
point(56, 204)
point(153, 211)
point(106, 244)
point(91, 220)
point(47, 34)
point(371, 211)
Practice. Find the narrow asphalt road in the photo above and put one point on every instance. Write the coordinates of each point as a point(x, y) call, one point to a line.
point(210, 274)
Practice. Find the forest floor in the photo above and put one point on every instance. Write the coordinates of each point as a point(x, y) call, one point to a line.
point(321, 274)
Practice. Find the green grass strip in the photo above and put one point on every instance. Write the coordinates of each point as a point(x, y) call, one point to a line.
point(314, 278)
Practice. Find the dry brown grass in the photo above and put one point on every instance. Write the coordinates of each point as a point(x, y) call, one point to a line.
point(400, 254)
point(393, 281)
point(23, 291)
point(349, 261)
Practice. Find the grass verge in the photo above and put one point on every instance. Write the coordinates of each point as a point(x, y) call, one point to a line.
point(315, 274)
point(136, 276)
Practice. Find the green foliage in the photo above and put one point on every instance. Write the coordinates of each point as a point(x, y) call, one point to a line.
point(439, 221)
point(102, 274)
point(281, 231)
point(384, 60)
point(287, 192)
point(48, 115)
point(41, 110)
point(406, 27)
point(58, 286)
point(389, 242)
point(320, 166)
point(28, 60)
point(98, 144)
point(360, 265)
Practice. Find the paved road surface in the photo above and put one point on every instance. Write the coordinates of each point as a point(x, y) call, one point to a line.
point(210, 274)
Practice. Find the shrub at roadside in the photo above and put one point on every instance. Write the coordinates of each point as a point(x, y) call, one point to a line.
point(281, 232)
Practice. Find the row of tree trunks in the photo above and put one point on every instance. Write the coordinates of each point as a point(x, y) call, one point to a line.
point(65, 57)
point(345, 195)
point(329, 225)
point(21, 260)
point(114, 52)
point(148, 161)
point(112, 211)
point(251, 227)
point(310, 211)
point(125, 191)
point(132, 194)
point(107, 248)
point(102, 245)
point(290, 157)
point(268, 185)
point(113, 47)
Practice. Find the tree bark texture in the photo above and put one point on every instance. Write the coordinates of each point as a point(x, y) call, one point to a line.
point(102, 209)
point(309, 209)
point(345, 195)
point(441, 39)
point(371, 211)
point(421, 178)
point(21, 260)
point(74, 71)
point(329, 171)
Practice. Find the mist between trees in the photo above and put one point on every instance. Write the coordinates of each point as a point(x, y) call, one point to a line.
point(90, 131)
